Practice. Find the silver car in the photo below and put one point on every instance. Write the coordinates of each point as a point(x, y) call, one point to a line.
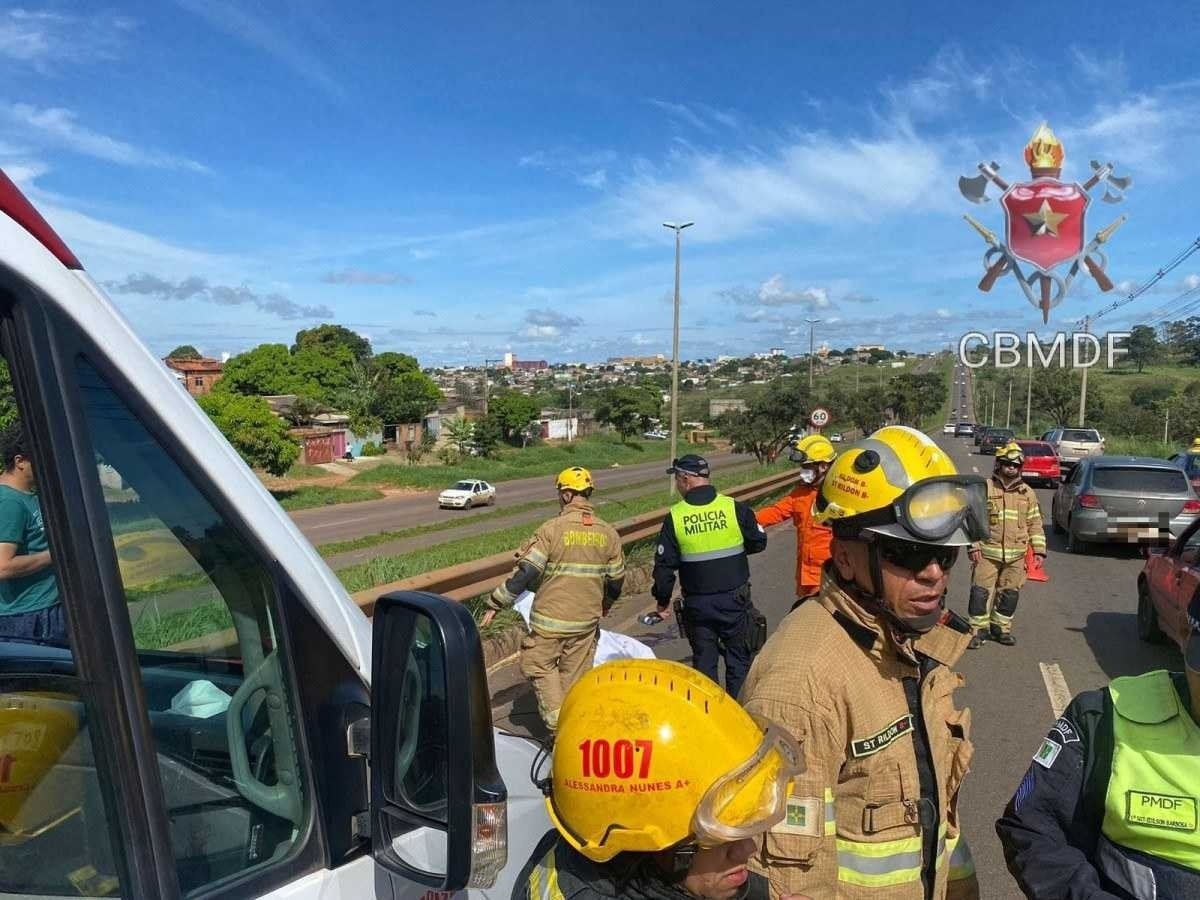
point(1074, 444)
point(1123, 499)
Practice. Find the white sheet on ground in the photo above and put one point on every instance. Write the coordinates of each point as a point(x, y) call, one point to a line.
point(611, 646)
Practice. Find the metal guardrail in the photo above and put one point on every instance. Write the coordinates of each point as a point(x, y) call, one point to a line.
point(480, 576)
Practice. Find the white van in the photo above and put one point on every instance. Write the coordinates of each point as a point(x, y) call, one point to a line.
point(221, 720)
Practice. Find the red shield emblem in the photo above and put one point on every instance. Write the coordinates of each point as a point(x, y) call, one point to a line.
point(1044, 221)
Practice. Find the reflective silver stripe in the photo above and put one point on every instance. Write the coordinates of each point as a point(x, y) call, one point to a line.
point(962, 864)
point(712, 554)
point(1134, 878)
point(878, 865)
point(893, 469)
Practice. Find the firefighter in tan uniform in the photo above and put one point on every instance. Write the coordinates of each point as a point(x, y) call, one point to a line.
point(998, 572)
point(575, 566)
point(862, 678)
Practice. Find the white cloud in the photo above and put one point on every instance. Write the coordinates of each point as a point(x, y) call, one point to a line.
point(775, 292)
point(548, 325)
point(595, 180)
point(943, 313)
point(681, 112)
point(196, 287)
point(360, 276)
point(58, 127)
point(45, 39)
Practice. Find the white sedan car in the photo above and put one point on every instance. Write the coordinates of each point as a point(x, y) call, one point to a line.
point(467, 493)
point(948, 428)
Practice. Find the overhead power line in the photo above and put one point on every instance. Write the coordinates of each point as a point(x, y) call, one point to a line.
point(1149, 283)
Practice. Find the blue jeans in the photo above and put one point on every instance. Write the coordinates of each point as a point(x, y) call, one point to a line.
point(47, 625)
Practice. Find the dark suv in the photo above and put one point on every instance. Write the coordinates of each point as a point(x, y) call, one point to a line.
point(994, 438)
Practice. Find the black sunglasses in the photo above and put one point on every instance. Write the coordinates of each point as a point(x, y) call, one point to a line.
point(1008, 464)
point(916, 556)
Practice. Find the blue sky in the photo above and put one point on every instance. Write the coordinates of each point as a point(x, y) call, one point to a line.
point(457, 180)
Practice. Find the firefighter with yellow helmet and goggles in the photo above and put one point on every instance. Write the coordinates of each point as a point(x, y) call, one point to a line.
point(638, 812)
point(861, 676)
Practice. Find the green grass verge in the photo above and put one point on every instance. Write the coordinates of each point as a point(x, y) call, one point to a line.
point(307, 497)
point(300, 471)
point(153, 630)
point(1138, 446)
point(597, 452)
point(384, 569)
point(176, 582)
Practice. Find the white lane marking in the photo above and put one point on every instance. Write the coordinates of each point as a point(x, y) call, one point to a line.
point(1056, 687)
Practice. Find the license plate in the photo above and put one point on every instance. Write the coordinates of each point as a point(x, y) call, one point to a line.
point(1029, 473)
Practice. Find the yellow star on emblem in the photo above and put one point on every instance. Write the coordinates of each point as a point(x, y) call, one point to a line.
point(1045, 220)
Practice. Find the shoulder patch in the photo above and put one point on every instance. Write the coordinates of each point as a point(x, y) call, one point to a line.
point(802, 816)
point(883, 738)
point(1065, 730)
point(1047, 753)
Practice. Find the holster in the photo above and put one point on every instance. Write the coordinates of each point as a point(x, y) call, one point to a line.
point(757, 625)
point(681, 616)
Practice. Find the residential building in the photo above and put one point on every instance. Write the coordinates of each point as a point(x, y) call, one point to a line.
point(197, 375)
point(718, 407)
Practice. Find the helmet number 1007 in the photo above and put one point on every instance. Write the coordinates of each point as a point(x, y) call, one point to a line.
point(602, 758)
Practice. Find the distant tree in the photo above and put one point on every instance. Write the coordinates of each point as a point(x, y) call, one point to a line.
point(406, 398)
point(912, 396)
point(1143, 346)
point(1148, 396)
point(868, 408)
point(487, 436)
point(322, 337)
point(303, 409)
point(628, 409)
point(460, 432)
point(323, 372)
point(416, 452)
point(184, 351)
point(1183, 339)
point(763, 428)
point(390, 364)
point(512, 411)
point(254, 431)
point(358, 398)
point(265, 370)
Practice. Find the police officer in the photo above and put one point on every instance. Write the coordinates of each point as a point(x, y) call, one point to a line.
point(706, 538)
point(638, 812)
point(998, 572)
point(814, 454)
point(576, 567)
point(861, 676)
point(1108, 807)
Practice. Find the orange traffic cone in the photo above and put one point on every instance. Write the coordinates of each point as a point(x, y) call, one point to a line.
point(1034, 569)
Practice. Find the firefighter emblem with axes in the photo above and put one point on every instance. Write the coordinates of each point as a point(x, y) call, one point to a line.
point(1044, 223)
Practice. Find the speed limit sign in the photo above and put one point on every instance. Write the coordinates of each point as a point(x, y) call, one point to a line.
point(819, 417)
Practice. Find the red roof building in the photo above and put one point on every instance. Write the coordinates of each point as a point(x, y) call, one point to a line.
point(197, 375)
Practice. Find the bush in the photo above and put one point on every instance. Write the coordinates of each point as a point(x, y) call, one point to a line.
point(370, 448)
point(256, 433)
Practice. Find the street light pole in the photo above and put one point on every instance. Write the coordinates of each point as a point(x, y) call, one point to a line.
point(678, 229)
point(570, 409)
point(811, 324)
point(485, 382)
point(1029, 405)
point(1008, 413)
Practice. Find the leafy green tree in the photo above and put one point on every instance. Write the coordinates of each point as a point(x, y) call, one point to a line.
point(357, 399)
point(265, 370)
point(868, 408)
point(763, 428)
point(1057, 392)
point(390, 364)
point(184, 351)
point(487, 436)
point(324, 337)
point(254, 431)
point(406, 398)
point(1143, 346)
point(913, 396)
point(323, 373)
point(1149, 396)
point(460, 432)
point(512, 411)
point(628, 409)
point(303, 410)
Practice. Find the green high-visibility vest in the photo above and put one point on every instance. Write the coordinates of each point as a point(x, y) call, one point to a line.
point(1154, 788)
point(707, 532)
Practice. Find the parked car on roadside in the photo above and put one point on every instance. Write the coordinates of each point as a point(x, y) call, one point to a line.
point(1166, 585)
point(995, 438)
point(1123, 500)
point(1074, 444)
point(964, 429)
point(1041, 465)
point(1190, 464)
point(467, 493)
point(978, 433)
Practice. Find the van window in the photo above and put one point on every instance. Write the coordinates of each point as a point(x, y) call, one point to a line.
point(203, 609)
point(54, 830)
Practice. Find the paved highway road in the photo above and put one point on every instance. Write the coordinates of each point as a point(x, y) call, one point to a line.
point(1074, 633)
point(346, 521)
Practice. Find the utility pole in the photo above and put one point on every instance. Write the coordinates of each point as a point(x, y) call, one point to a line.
point(678, 229)
point(1029, 405)
point(811, 324)
point(570, 410)
point(1167, 425)
point(1008, 414)
point(1083, 384)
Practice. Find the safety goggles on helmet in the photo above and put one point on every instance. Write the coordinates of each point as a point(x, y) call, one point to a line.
point(753, 797)
point(916, 556)
point(934, 509)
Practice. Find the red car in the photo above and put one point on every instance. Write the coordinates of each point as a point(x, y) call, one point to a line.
point(1041, 463)
point(1166, 585)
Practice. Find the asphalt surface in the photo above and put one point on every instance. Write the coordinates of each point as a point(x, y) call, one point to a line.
point(1074, 633)
point(345, 521)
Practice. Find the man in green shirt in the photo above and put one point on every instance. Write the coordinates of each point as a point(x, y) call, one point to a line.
point(30, 607)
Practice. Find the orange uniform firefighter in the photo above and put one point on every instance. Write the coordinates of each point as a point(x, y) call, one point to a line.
point(575, 566)
point(861, 676)
point(813, 540)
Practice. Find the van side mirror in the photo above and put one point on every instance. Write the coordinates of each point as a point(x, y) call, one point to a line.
point(438, 805)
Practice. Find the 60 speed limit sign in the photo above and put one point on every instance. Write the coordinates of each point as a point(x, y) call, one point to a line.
point(819, 417)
